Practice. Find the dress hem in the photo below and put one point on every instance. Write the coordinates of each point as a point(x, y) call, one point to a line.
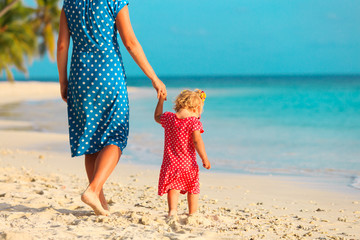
point(182, 191)
point(106, 144)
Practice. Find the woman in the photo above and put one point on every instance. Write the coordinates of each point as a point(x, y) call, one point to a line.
point(96, 90)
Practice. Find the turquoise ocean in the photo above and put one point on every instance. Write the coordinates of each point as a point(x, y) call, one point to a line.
point(280, 125)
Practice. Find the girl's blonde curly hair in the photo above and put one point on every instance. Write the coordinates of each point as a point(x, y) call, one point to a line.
point(189, 99)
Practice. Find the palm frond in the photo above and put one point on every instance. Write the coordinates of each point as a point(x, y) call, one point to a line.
point(26, 32)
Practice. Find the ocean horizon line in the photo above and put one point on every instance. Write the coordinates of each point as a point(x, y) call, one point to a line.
point(240, 76)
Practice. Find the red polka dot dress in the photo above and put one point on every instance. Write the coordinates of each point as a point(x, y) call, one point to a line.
point(179, 169)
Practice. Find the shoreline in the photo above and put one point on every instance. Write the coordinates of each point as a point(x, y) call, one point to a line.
point(41, 185)
point(24, 91)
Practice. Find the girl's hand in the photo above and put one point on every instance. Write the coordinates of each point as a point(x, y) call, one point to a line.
point(162, 97)
point(206, 164)
point(63, 91)
point(159, 108)
point(160, 88)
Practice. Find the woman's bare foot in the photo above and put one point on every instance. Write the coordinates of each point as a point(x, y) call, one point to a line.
point(105, 205)
point(103, 201)
point(90, 198)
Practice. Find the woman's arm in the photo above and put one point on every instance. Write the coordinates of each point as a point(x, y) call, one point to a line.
point(134, 48)
point(62, 54)
point(159, 108)
point(200, 148)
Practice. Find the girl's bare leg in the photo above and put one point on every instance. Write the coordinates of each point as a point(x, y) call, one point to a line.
point(90, 170)
point(105, 163)
point(192, 202)
point(173, 197)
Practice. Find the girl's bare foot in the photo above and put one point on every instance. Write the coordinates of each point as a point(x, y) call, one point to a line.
point(172, 213)
point(172, 219)
point(192, 219)
point(173, 222)
point(90, 198)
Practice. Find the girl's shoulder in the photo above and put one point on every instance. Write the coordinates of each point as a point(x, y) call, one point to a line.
point(192, 123)
point(196, 125)
point(167, 114)
point(164, 118)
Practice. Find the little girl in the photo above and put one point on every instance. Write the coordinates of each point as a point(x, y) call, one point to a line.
point(179, 171)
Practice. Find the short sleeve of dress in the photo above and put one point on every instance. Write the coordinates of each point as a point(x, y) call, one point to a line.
point(118, 5)
point(163, 118)
point(197, 126)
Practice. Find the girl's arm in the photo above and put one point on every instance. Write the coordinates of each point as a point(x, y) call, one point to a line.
point(200, 148)
point(159, 108)
point(134, 48)
point(62, 54)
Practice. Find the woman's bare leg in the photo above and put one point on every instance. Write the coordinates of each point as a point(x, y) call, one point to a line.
point(173, 197)
point(90, 170)
point(192, 202)
point(105, 163)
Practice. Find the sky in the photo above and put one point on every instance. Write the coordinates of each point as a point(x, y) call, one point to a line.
point(237, 37)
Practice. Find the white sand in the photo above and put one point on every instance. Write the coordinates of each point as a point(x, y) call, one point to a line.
point(40, 187)
point(21, 91)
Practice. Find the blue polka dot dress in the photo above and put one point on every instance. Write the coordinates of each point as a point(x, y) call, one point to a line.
point(98, 109)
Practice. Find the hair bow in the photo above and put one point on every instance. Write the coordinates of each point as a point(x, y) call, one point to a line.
point(203, 96)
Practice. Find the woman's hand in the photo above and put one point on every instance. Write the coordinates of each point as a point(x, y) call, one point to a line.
point(160, 88)
point(62, 54)
point(63, 91)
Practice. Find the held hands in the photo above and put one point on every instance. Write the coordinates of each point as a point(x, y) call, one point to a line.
point(206, 164)
point(162, 97)
point(159, 106)
point(160, 88)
